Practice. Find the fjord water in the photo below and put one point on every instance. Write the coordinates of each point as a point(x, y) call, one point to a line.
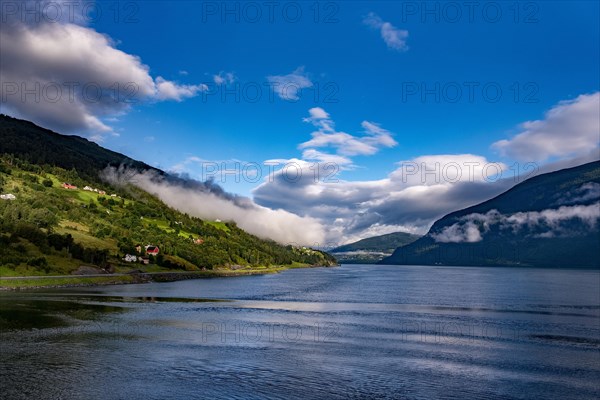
point(350, 332)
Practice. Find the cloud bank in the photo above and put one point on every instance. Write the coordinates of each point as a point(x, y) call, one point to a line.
point(409, 199)
point(209, 201)
point(546, 223)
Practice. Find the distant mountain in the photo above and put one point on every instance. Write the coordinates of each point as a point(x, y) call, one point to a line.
point(551, 220)
point(41, 146)
point(373, 249)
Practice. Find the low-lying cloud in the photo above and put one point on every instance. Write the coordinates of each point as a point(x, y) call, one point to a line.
point(587, 191)
point(546, 223)
point(409, 199)
point(209, 201)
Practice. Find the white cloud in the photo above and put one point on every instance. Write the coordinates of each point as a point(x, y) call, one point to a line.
point(316, 113)
point(79, 75)
point(459, 233)
point(167, 90)
point(552, 218)
point(546, 223)
point(343, 143)
point(288, 87)
point(317, 156)
point(569, 129)
point(586, 192)
point(226, 78)
point(393, 37)
point(378, 135)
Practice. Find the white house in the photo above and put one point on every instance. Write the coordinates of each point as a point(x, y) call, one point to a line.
point(130, 258)
point(8, 196)
point(89, 189)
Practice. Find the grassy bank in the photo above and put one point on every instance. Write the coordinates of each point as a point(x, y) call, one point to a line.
point(143, 277)
point(67, 281)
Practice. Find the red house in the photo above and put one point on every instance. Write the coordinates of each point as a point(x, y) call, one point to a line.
point(152, 250)
point(68, 186)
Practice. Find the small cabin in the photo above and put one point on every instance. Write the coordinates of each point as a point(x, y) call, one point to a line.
point(152, 250)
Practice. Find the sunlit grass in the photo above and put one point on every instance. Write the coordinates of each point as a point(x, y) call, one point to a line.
point(66, 281)
point(218, 225)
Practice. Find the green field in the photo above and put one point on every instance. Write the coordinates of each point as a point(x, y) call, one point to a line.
point(66, 281)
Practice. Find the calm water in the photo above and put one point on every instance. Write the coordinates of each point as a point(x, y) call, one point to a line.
point(349, 332)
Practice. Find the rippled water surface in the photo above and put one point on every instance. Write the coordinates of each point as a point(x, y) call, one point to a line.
point(348, 332)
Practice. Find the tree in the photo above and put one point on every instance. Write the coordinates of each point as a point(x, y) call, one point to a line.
point(47, 183)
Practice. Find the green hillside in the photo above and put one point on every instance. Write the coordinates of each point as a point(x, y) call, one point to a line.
point(373, 249)
point(48, 230)
point(550, 220)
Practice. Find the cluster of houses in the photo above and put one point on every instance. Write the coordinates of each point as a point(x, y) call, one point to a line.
point(150, 250)
point(91, 189)
point(8, 196)
point(68, 186)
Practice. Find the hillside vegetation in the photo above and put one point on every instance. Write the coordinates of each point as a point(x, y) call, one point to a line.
point(47, 229)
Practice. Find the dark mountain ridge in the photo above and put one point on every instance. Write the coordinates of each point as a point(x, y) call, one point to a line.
point(41, 146)
point(546, 221)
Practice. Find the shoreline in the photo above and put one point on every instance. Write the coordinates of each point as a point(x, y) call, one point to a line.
point(31, 283)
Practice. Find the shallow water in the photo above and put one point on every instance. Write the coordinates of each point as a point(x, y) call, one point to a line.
point(349, 332)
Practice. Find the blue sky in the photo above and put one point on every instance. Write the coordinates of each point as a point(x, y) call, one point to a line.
point(370, 62)
point(556, 54)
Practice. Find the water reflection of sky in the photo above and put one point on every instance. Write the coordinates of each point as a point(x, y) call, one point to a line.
point(355, 331)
